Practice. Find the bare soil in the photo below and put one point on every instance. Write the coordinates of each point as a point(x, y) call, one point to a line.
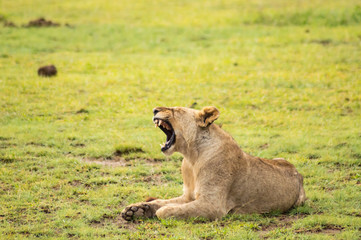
point(329, 229)
point(42, 22)
point(9, 24)
point(115, 161)
point(283, 221)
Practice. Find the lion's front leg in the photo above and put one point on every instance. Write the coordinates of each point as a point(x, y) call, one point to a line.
point(148, 209)
point(140, 210)
point(196, 208)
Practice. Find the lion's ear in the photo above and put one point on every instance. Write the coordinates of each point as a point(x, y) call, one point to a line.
point(207, 116)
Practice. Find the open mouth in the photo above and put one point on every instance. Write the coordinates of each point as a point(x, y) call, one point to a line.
point(167, 128)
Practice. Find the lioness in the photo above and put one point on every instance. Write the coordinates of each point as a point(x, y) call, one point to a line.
point(219, 178)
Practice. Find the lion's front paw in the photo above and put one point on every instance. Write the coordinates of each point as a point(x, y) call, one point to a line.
point(140, 210)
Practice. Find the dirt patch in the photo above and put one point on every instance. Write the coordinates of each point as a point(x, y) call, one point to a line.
point(7, 145)
point(276, 136)
point(117, 161)
point(114, 161)
point(96, 223)
point(283, 221)
point(79, 145)
point(82, 110)
point(354, 214)
point(346, 111)
point(75, 183)
point(154, 180)
point(102, 221)
point(9, 24)
point(121, 223)
point(6, 188)
point(47, 71)
point(126, 150)
point(340, 145)
point(354, 176)
point(263, 146)
point(329, 229)
point(323, 42)
point(5, 138)
point(313, 156)
point(120, 158)
point(69, 25)
point(36, 144)
point(152, 161)
point(42, 22)
point(6, 159)
point(45, 209)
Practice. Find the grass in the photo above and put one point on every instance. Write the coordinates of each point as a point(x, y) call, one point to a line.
point(285, 76)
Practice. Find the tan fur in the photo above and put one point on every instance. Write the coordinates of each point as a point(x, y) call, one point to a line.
point(219, 178)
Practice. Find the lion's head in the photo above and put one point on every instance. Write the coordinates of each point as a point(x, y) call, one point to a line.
point(182, 125)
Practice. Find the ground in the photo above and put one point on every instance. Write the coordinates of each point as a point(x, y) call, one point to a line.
point(78, 147)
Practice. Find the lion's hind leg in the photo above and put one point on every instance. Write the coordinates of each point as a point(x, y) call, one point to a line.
point(302, 195)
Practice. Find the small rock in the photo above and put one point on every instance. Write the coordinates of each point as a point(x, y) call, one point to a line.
point(47, 71)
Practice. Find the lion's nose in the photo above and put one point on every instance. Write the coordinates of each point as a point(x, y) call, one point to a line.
point(155, 111)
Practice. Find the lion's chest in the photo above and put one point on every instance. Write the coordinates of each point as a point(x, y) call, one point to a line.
point(190, 179)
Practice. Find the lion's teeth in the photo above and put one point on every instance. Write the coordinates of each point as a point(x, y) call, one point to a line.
point(160, 122)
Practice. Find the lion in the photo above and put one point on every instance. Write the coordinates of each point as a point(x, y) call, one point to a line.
point(219, 178)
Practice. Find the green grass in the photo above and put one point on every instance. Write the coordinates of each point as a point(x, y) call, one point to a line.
point(285, 76)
